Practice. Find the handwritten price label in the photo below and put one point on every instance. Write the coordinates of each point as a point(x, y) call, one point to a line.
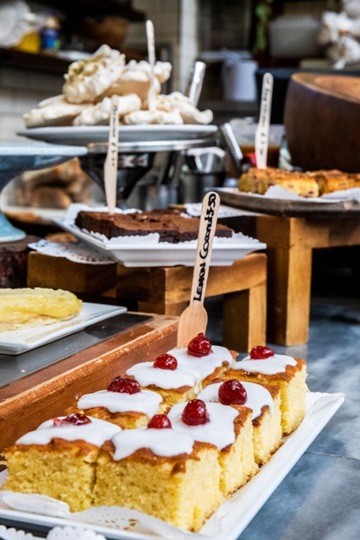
point(262, 131)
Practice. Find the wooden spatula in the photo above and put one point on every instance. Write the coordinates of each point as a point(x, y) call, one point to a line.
point(193, 319)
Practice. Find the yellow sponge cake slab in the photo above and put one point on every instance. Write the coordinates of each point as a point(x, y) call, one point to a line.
point(230, 430)
point(58, 460)
point(284, 372)
point(162, 473)
point(264, 403)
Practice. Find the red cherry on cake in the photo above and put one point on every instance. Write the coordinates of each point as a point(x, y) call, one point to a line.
point(232, 392)
point(77, 419)
point(159, 421)
point(166, 361)
point(124, 386)
point(200, 345)
point(195, 413)
point(260, 353)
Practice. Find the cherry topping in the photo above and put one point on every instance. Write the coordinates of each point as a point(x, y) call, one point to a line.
point(260, 353)
point(166, 361)
point(78, 419)
point(232, 392)
point(200, 345)
point(124, 386)
point(195, 413)
point(159, 421)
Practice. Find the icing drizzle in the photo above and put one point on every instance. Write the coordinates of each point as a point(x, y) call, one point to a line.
point(146, 402)
point(146, 374)
point(96, 432)
point(218, 431)
point(257, 396)
point(206, 364)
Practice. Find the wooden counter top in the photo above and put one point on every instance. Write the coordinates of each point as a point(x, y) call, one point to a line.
point(25, 403)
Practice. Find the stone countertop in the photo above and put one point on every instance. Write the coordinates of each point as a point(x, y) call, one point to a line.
point(320, 498)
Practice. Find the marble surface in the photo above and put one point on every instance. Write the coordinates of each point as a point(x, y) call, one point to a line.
point(320, 498)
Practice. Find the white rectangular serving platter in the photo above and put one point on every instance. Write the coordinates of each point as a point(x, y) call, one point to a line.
point(232, 517)
point(19, 341)
point(224, 253)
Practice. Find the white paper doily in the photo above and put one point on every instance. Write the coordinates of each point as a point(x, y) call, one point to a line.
point(73, 251)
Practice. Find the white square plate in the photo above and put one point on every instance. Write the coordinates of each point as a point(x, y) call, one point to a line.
point(19, 341)
point(229, 521)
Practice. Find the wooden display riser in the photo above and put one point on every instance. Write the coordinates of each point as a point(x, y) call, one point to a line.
point(166, 290)
point(243, 286)
point(47, 393)
point(290, 244)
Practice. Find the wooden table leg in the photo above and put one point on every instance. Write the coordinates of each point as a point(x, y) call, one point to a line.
point(244, 318)
point(289, 292)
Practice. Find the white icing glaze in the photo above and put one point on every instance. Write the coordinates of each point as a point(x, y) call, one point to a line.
point(205, 365)
point(218, 431)
point(145, 401)
point(96, 432)
point(257, 396)
point(146, 374)
point(163, 442)
point(268, 366)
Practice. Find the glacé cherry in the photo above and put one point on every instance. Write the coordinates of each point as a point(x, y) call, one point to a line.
point(124, 386)
point(200, 345)
point(260, 353)
point(232, 392)
point(159, 421)
point(77, 419)
point(195, 413)
point(166, 361)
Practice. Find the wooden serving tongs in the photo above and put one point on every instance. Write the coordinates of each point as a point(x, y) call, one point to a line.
point(194, 318)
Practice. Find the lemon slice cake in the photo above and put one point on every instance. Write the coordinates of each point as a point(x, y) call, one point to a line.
point(26, 307)
point(58, 459)
point(204, 357)
point(124, 403)
point(264, 403)
point(172, 381)
point(263, 366)
point(229, 429)
point(160, 472)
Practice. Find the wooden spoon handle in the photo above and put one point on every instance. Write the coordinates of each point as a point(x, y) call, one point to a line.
point(207, 226)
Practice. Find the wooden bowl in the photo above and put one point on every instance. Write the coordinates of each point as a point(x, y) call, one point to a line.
point(322, 119)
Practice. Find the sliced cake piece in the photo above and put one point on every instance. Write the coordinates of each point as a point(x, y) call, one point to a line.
point(264, 402)
point(172, 381)
point(263, 366)
point(161, 472)
point(58, 459)
point(124, 403)
point(229, 429)
point(202, 356)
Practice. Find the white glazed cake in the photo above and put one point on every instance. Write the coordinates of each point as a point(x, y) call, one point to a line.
point(230, 430)
point(172, 381)
point(263, 366)
point(161, 472)
point(59, 459)
point(264, 403)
